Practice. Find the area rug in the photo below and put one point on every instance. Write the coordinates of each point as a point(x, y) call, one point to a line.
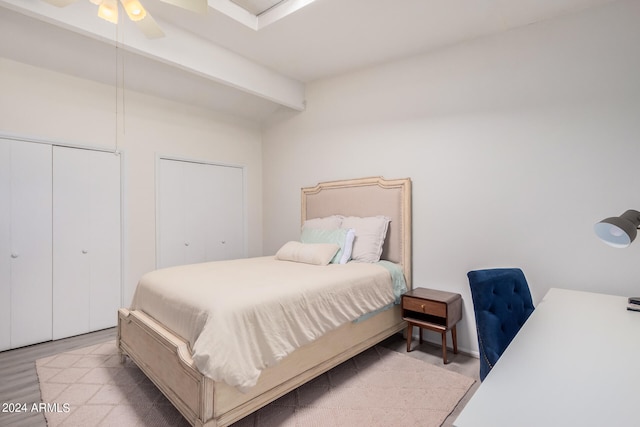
point(380, 387)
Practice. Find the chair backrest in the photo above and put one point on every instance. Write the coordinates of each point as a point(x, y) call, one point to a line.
point(501, 303)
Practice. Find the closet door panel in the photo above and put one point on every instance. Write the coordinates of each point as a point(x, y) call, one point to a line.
point(105, 237)
point(31, 243)
point(5, 245)
point(87, 264)
point(196, 213)
point(71, 190)
point(170, 217)
point(226, 196)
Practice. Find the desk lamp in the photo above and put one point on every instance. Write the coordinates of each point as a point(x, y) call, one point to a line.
point(619, 231)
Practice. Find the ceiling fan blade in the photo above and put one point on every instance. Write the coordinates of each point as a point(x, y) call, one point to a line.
point(60, 3)
point(150, 27)
point(199, 6)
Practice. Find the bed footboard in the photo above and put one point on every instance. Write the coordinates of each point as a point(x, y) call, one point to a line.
point(166, 359)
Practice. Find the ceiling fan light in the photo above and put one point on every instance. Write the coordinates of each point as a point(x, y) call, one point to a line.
point(108, 10)
point(134, 9)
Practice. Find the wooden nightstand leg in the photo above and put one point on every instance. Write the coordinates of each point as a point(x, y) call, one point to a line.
point(420, 334)
point(409, 333)
point(455, 339)
point(444, 347)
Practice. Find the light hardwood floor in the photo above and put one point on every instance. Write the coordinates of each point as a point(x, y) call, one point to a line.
point(18, 379)
point(19, 382)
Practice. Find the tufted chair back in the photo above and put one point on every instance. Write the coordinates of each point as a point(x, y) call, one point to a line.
point(501, 303)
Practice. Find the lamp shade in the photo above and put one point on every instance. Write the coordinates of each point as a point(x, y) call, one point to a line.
point(619, 231)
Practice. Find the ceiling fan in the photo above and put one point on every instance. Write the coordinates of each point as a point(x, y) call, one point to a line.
point(108, 10)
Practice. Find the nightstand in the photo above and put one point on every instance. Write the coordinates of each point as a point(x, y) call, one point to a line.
point(434, 310)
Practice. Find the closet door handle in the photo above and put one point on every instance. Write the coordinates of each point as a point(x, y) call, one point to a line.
point(14, 255)
point(84, 251)
point(186, 243)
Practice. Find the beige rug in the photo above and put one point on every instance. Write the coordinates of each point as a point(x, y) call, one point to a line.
point(380, 387)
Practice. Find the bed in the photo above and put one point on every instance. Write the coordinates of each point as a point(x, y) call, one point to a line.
point(167, 357)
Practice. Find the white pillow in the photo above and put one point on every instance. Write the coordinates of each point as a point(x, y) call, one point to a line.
point(348, 246)
point(308, 253)
point(370, 234)
point(327, 223)
point(340, 236)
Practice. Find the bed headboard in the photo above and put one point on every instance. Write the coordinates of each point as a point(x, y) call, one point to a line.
point(368, 197)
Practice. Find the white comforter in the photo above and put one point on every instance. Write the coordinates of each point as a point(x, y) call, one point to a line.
point(244, 315)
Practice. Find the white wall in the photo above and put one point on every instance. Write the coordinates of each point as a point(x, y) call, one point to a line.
point(516, 144)
point(60, 108)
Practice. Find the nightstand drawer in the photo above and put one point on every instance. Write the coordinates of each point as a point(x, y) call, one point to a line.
point(424, 306)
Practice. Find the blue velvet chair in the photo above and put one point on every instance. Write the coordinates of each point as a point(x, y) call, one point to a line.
point(501, 303)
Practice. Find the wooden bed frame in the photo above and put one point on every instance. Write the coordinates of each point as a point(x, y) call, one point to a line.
point(166, 358)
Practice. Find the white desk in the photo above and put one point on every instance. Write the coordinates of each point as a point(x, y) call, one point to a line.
point(575, 362)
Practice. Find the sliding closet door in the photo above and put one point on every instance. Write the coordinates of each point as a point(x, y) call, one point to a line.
point(86, 240)
point(200, 212)
point(25, 270)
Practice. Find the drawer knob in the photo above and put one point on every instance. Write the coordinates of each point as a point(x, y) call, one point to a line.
point(422, 306)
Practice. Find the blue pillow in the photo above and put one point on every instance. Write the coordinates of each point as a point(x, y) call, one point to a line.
point(342, 237)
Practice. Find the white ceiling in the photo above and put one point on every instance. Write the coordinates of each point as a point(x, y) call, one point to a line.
point(329, 37)
point(253, 72)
